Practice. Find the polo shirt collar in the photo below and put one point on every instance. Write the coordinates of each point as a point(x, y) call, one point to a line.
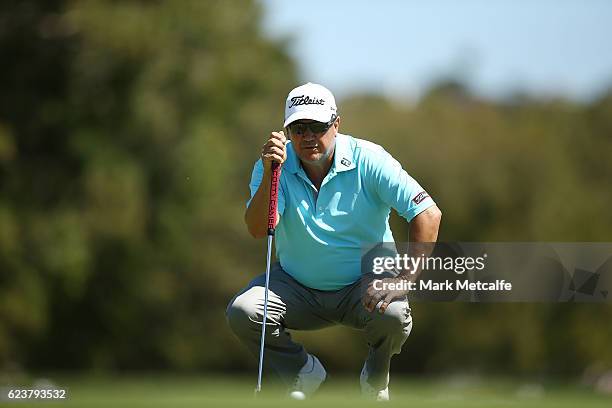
point(343, 156)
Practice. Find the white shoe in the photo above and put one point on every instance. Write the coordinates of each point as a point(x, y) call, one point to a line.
point(309, 379)
point(370, 392)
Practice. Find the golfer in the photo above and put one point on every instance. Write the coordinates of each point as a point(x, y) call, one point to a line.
point(335, 195)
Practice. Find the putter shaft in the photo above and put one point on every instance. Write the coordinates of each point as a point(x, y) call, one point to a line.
point(265, 314)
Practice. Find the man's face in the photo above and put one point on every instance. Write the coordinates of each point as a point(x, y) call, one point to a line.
point(313, 147)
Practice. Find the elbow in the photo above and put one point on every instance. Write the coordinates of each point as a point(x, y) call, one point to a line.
point(256, 233)
point(253, 230)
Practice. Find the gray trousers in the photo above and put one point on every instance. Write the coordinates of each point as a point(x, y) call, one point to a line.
point(297, 307)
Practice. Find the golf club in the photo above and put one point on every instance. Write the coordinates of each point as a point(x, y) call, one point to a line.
point(276, 168)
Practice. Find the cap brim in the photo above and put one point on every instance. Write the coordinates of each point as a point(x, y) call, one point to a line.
point(299, 115)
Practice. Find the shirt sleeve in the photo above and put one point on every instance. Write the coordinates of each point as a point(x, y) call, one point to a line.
point(256, 177)
point(397, 189)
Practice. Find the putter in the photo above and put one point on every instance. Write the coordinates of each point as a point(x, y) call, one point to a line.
point(271, 221)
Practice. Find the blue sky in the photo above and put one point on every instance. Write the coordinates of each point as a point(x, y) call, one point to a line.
point(543, 47)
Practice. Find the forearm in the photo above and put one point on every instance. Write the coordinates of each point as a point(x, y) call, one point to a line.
point(423, 234)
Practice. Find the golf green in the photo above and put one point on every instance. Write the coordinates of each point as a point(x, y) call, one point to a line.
point(174, 391)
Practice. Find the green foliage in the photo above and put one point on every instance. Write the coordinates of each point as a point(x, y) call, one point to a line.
point(519, 170)
point(128, 131)
point(127, 134)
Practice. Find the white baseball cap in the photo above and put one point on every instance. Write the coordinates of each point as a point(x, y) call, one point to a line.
point(310, 101)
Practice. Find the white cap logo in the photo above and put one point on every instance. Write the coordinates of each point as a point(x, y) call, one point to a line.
point(310, 101)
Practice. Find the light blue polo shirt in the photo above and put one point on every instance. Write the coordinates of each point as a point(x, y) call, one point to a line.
point(320, 234)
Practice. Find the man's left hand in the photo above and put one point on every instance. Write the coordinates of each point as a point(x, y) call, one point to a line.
point(373, 296)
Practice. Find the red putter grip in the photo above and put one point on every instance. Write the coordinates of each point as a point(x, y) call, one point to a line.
point(276, 170)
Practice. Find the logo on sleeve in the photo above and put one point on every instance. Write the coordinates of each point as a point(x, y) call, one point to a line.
point(420, 197)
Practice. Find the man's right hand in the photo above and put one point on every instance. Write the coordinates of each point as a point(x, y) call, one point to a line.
point(274, 150)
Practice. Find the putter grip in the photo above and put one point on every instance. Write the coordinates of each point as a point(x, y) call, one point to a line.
point(276, 170)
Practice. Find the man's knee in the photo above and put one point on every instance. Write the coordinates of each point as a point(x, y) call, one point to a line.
point(245, 312)
point(396, 320)
point(242, 313)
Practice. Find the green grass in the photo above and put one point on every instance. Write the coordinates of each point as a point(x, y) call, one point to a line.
point(164, 391)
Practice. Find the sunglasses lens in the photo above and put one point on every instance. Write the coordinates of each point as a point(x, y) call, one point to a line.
point(318, 127)
point(297, 128)
point(315, 127)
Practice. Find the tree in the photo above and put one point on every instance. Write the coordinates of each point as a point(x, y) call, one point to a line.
point(128, 133)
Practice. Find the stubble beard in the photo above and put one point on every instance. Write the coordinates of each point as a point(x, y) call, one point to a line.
point(319, 157)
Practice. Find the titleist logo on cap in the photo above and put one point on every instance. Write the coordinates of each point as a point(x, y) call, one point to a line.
point(305, 100)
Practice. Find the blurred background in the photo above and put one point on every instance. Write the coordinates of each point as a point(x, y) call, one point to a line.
point(128, 132)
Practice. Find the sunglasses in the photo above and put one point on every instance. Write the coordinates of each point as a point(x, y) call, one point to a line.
point(299, 128)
